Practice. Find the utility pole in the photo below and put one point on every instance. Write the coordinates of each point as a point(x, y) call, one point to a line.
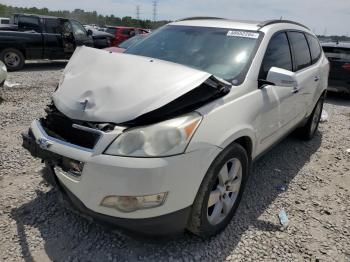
point(325, 31)
point(155, 10)
point(138, 12)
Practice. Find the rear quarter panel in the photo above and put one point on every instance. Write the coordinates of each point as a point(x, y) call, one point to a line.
point(31, 44)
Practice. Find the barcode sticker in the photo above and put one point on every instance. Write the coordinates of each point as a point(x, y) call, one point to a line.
point(243, 34)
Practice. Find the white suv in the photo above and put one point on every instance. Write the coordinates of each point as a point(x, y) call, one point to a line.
point(162, 137)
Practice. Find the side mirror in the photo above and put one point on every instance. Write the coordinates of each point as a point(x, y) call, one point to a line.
point(281, 77)
point(89, 32)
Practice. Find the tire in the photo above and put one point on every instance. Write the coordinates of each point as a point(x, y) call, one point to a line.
point(12, 58)
point(206, 219)
point(308, 131)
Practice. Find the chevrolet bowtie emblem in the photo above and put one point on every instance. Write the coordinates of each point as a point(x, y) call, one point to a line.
point(84, 104)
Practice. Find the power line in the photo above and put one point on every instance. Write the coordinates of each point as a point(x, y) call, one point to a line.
point(138, 12)
point(155, 10)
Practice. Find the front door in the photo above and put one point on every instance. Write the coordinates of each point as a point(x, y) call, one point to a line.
point(279, 101)
point(80, 34)
point(68, 38)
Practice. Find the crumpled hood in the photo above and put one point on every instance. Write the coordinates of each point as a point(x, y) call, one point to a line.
point(101, 86)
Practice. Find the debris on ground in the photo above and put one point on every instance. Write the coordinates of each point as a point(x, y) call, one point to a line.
point(324, 116)
point(9, 84)
point(281, 188)
point(283, 218)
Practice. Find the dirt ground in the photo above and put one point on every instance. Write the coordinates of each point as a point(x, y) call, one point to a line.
point(309, 180)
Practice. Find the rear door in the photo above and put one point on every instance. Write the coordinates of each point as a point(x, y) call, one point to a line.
point(307, 75)
point(339, 58)
point(53, 48)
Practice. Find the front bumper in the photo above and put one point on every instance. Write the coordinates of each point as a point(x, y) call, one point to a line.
point(165, 225)
point(104, 175)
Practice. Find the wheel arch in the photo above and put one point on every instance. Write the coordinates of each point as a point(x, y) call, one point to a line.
point(244, 138)
point(16, 47)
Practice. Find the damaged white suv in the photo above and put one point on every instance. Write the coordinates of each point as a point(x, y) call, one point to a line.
point(161, 138)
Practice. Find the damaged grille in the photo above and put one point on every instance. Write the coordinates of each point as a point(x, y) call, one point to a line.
point(59, 126)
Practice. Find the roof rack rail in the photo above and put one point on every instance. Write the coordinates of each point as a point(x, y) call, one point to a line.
point(200, 18)
point(276, 21)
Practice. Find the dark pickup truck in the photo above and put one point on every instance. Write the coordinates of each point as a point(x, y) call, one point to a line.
point(40, 37)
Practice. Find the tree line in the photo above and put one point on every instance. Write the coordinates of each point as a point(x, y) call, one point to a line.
point(83, 16)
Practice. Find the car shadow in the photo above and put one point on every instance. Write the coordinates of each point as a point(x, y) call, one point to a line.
point(68, 236)
point(338, 99)
point(43, 65)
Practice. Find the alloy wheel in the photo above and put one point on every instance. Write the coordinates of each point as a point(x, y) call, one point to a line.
point(225, 191)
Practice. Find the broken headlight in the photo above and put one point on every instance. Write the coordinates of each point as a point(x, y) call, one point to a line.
point(166, 138)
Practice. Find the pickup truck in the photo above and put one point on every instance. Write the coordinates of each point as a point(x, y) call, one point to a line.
point(40, 37)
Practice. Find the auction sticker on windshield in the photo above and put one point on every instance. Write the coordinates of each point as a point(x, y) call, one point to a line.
point(243, 34)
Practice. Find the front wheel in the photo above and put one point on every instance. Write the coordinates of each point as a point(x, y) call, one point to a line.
point(12, 58)
point(220, 192)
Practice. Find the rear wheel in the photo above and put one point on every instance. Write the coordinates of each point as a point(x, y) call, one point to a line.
point(220, 192)
point(12, 58)
point(308, 131)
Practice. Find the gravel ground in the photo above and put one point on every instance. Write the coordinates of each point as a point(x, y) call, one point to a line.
point(316, 174)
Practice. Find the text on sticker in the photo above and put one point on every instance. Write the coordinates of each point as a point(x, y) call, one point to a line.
point(243, 34)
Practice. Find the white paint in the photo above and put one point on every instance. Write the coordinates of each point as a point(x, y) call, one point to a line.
point(120, 87)
point(124, 86)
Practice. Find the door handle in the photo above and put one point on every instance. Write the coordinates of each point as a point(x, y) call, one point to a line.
point(295, 90)
point(316, 78)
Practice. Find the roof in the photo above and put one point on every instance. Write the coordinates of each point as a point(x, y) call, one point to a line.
point(231, 23)
point(40, 16)
point(335, 44)
point(123, 27)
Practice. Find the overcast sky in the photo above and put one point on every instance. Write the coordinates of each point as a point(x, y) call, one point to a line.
point(332, 17)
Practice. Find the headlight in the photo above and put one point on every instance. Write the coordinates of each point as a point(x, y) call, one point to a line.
point(4, 68)
point(166, 138)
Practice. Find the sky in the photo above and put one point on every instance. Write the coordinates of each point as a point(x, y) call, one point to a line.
point(322, 16)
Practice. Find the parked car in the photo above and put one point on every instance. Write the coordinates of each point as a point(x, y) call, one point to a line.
point(123, 33)
point(126, 44)
point(4, 20)
point(3, 73)
point(40, 37)
point(163, 138)
point(339, 57)
point(101, 39)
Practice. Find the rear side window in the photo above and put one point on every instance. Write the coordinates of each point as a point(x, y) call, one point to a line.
point(277, 55)
point(111, 30)
point(300, 49)
point(29, 23)
point(128, 32)
point(315, 48)
point(52, 26)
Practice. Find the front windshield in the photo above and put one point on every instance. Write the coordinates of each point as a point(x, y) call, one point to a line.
point(131, 41)
point(218, 51)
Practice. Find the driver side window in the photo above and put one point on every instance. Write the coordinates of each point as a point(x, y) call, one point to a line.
point(277, 54)
point(78, 29)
